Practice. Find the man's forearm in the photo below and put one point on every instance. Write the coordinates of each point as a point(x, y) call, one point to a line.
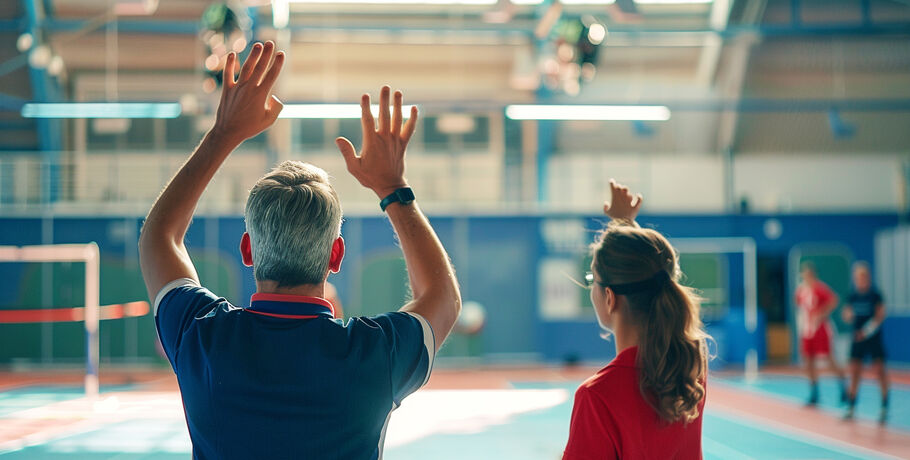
point(172, 213)
point(428, 264)
point(245, 109)
point(875, 322)
point(162, 254)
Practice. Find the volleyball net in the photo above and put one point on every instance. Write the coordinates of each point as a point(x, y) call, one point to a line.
point(89, 314)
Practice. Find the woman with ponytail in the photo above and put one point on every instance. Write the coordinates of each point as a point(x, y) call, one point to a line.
point(648, 402)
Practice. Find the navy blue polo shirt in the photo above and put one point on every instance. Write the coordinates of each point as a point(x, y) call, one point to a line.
point(864, 308)
point(284, 379)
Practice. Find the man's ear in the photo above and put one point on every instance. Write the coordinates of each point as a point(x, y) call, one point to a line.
point(337, 255)
point(246, 250)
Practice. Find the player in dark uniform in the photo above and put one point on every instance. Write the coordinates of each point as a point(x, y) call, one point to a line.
point(865, 308)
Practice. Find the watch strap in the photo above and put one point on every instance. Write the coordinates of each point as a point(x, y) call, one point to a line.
point(402, 195)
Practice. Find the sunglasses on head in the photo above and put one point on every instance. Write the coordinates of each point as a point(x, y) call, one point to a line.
point(657, 281)
point(590, 281)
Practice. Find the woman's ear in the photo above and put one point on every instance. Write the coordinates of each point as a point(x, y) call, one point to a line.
point(246, 250)
point(610, 300)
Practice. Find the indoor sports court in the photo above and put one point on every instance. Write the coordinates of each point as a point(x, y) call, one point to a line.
point(768, 138)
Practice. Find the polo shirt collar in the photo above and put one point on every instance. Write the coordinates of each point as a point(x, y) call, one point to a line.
point(626, 358)
point(290, 306)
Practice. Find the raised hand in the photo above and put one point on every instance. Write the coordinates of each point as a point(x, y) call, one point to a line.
point(380, 165)
point(621, 202)
point(246, 109)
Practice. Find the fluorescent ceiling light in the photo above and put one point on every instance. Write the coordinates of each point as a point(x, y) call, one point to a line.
point(281, 13)
point(608, 2)
point(587, 2)
point(404, 2)
point(672, 2)
point(101, 110)
point(588, 112)
point(330, 111)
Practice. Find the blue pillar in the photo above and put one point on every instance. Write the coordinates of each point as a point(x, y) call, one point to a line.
point(866, 8)
point(545, 128)
point(545, 138)
point(796, 13)
point(45, 88)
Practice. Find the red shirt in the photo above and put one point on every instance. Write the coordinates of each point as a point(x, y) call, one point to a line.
point(811, 299)
point(611, 419)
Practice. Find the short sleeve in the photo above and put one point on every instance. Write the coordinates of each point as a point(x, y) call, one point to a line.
point(589, 430)
point(824, 293)
point(877, 299)
point(412, 349)
point(176, 306)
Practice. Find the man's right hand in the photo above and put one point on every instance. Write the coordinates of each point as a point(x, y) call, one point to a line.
point(380, 165)
point(246, 108)
point(621, 202)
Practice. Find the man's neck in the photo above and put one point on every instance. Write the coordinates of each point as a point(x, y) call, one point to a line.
point(309, 290)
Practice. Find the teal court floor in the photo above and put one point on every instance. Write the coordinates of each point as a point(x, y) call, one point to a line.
point(502, 414)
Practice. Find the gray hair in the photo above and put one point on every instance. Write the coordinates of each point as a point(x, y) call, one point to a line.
point(862, 265)
point(293, 216)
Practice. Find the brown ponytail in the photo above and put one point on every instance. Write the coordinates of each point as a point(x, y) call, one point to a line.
point(672, 359)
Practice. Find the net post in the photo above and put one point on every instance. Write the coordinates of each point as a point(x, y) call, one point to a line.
point(750, 278)
point(92, 320)
point(751, 365)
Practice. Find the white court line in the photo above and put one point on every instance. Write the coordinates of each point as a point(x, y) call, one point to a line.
point(798, 434)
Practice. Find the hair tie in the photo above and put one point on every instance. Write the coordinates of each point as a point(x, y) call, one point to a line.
point(655, 282)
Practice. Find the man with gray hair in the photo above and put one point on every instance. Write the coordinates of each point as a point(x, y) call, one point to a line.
point(283, 378)
point(865, 311)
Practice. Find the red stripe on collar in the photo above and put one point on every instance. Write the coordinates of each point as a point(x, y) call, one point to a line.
point(272, 297)
point(276, 315)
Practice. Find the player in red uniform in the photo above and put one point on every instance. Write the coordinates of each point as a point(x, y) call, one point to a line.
point(815, 301)
point(648, 402)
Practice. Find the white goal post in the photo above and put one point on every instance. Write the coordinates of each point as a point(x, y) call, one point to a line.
point(90, 256)
point(733, 245)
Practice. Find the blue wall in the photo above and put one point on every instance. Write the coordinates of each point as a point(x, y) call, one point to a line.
point(496, 258)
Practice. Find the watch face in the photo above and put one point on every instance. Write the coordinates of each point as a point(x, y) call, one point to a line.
point(405, 195)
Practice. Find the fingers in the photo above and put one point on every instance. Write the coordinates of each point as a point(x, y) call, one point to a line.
point(247, 70)
point(347, 150)
point(618, 190)
point(268, 80)
point(273, 107)
point(638, 203)
point(265, 60)
point(396, 114)
point(384, 109)
point(227, 77)
point(410, 126)
point(366, 116)
point(606, 208)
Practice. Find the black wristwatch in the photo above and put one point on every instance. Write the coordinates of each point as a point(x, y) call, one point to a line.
point(404, 195)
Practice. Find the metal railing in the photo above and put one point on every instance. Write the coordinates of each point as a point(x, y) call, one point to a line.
point(129, 182)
